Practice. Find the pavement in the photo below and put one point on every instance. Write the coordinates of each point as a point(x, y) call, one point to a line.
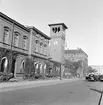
point(65, 92)
point(10, 86)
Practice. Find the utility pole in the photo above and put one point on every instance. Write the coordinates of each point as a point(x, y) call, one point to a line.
point(61, 71)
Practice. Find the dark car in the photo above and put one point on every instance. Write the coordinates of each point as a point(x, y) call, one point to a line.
point(101, 78)
point(90, 77)
point(96, 77)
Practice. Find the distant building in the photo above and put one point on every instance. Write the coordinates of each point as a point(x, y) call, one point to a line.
point(98, 68)
point(77, 55)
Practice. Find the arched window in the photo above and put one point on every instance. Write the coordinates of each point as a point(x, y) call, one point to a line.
point(6, 35)
point(4, 64)
point(41, 68)
point(25, 42)
point(41, 47)
point(53, 29)
point(44, 68)
point(58, 29)
point(22, 66)
point(36, 65)
point(36, 45)
point(45, 49)
point(16, 38)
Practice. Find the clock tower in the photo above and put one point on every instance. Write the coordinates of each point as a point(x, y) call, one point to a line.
point(57, 42)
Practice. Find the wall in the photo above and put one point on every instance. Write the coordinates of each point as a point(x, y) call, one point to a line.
point(22, 32)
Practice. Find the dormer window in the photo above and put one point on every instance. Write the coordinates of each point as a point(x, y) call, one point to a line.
point(16, 39)
point(6, 35)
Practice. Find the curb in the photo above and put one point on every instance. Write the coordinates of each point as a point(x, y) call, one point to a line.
point(31, 84)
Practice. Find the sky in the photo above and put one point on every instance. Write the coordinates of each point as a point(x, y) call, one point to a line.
point(84, 19)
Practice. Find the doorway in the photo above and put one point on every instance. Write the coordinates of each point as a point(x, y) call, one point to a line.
point(4, 64)
point(13, 66)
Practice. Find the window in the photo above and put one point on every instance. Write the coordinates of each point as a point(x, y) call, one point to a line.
point(16, 39)
point(45, 49)
point(6, 35)
point(56, 29)
point(36, 46)
point(25, 42)
point(41, 48)
point(22, 66)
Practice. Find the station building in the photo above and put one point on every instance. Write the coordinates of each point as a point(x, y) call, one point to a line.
point(14, 44)
point(17, 42)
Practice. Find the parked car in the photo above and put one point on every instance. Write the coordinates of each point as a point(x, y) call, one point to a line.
point(101, 78)
point(90, 77)
point(96, 77)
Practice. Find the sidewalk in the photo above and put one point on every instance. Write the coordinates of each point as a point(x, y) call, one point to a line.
point(9, 86)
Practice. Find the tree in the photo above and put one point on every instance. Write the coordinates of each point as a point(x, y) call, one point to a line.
point(29, 67)
point(91, 70)
point(72, 66)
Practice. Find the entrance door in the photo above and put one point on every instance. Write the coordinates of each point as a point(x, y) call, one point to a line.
point(13, 66)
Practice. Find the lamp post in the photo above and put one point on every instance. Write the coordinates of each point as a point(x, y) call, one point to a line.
point(61, 71)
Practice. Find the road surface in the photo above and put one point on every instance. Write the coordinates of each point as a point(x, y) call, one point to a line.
point(71, 93)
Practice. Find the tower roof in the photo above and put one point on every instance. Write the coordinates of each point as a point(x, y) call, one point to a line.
point(59, 24)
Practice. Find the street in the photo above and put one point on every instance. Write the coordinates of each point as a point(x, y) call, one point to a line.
point(72, 93)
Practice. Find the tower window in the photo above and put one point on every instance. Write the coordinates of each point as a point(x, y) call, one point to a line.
point(56, 29)
point(53, 29)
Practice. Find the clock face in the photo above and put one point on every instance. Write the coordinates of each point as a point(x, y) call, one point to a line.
point(55, 42)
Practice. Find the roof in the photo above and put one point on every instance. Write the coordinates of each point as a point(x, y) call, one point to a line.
point(75, 51)
point(13, 21)
point(59, 24)
point(38, 31)
point(55, 61)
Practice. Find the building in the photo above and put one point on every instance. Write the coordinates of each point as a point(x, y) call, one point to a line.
point(39, 49)
point(18, 42)
point(14, 45)
point(77, 55)
point(98, 68)
point(57, 43)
